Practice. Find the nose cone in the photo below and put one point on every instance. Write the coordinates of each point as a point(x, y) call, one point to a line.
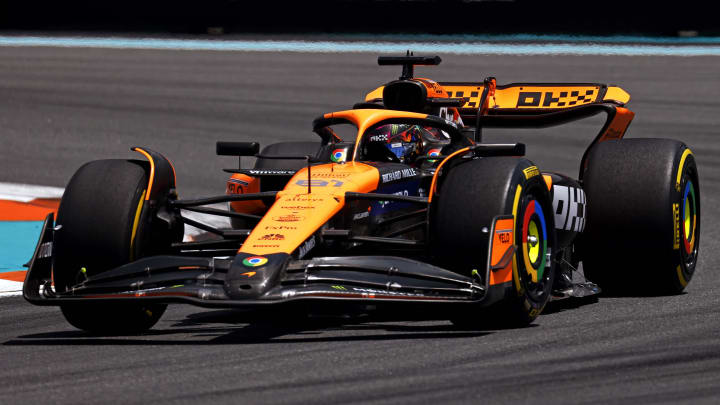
point(251, 276)
point(305, 205)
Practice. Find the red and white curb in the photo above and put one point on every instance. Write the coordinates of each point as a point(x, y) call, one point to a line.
point(10, 288)
point(25, 202)
point(22, 203)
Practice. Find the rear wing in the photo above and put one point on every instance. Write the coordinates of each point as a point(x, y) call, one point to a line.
point(514, 105)
point(535, 105)
point(539, 105)
point(520, 98)
point(531, 98)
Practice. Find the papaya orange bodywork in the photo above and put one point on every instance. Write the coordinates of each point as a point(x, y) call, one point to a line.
point(548, 181)
point(297, 214)
point(527, 95)
point(433, 88)
point(366, 118)
point(433, 185)
point(244, 184)
point(503, 239)
point(619, 124)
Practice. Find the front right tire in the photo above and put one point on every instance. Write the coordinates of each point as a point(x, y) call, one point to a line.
point(469, 198)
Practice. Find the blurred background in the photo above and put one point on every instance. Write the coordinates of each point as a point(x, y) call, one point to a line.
point(669, 18)
point(94, 101)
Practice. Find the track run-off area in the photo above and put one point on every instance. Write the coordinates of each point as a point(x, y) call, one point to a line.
point(63, 105)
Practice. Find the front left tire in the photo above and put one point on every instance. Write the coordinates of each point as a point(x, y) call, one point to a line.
point(97, 227)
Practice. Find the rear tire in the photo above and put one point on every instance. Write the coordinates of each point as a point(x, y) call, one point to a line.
point(470, 197)
point(98, 219)
point(643, 226)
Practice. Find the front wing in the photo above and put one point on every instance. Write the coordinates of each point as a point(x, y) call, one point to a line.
point(201, 281)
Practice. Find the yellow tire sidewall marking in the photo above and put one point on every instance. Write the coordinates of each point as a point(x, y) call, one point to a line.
point(516, 277)
point(684, 156)
point(136, 221)
point(687, 152)
point(681, 277)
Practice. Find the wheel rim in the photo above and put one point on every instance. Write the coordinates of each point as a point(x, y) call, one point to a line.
point(690, 222)
point(533, 237)
point(689, 217)
point(534, 242)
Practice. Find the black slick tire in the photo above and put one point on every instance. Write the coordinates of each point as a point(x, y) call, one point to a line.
point(97, 220)
point(469, 198)
point(643, 221)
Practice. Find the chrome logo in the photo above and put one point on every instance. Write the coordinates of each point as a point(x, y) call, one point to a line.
point(433, 152)
point(254, 261)
point(338, 156)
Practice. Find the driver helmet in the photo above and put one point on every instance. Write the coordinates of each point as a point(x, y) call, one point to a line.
point(405, 141)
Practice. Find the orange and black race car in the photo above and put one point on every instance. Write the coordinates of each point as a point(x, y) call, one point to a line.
point(400, 207)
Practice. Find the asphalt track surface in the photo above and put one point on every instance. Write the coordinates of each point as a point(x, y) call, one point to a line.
point(62, 107)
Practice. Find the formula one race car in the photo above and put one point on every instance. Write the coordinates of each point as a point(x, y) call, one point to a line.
point(412, 213)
